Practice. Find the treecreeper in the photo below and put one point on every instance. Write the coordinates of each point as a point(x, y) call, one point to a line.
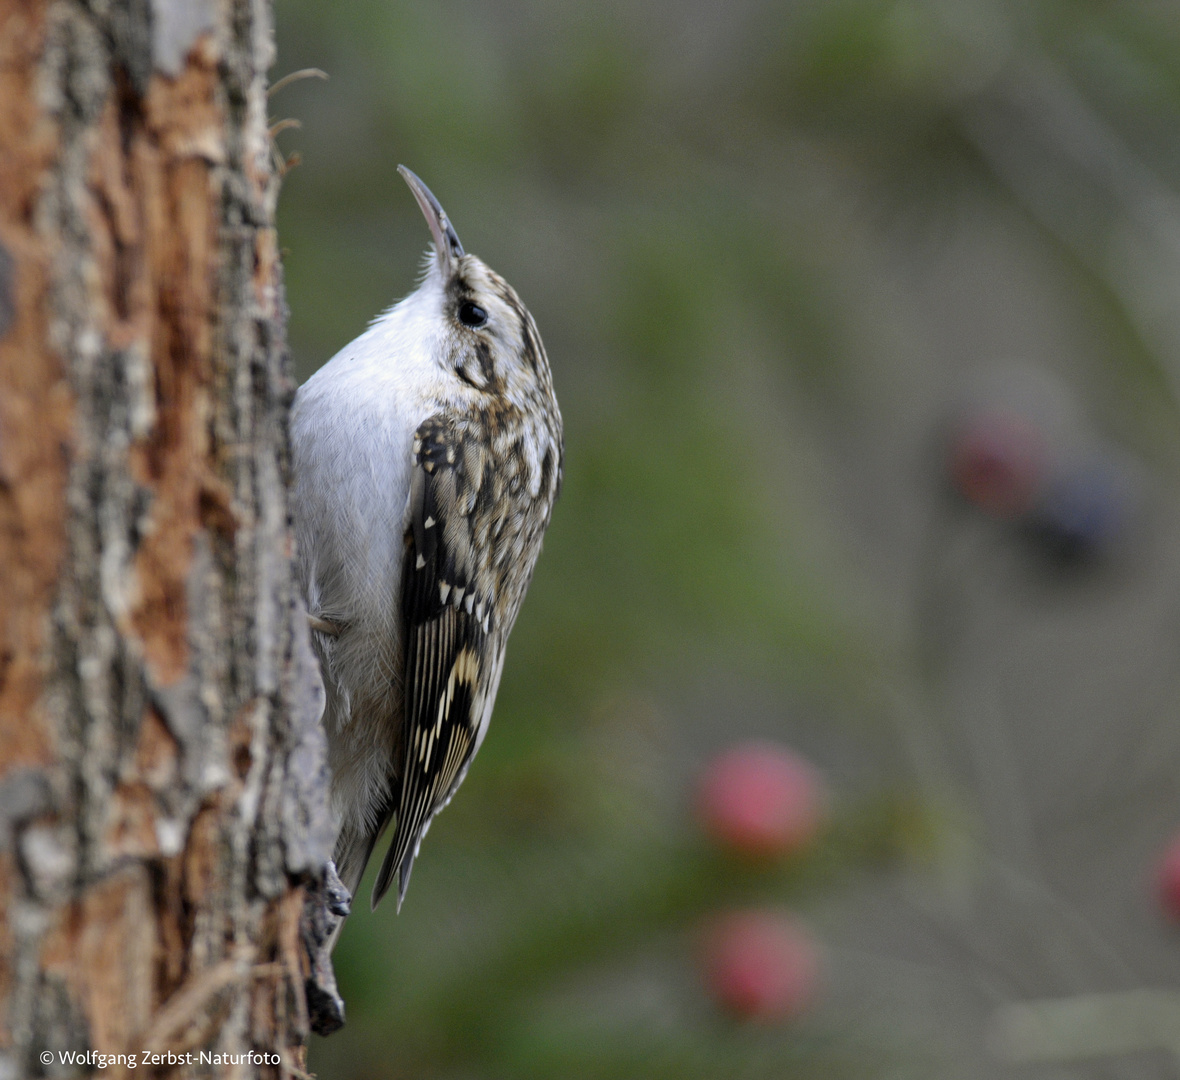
point(427, 456)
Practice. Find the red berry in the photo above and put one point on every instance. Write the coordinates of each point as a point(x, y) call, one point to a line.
point(1167, 879)
point(998, 461)
point(761, 965)
point(761, 799)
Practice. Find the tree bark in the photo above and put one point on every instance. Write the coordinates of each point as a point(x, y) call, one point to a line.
point(162, 772)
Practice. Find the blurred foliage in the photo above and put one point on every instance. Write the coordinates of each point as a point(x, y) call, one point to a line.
point(693, 200)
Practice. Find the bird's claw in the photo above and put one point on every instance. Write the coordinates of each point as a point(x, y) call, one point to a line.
point(336, 896)
point(325, 910)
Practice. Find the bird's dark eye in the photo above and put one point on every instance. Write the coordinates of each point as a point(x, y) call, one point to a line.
point(472, 314)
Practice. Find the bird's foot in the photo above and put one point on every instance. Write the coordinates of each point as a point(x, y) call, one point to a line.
point(324, 912)
point(336, 897)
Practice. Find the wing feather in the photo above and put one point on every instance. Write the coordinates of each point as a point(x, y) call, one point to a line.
point(447, 666)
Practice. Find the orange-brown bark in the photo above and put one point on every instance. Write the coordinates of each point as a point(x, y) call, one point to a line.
point(149, 674)
point(35, 415)
point(154, 220)
point(34, 428)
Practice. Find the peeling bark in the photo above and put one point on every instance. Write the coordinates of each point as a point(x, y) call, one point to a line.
point(162, 773)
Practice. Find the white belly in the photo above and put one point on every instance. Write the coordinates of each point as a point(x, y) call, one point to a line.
point(352, 429)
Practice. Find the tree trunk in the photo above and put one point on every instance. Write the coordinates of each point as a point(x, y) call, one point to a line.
point(162, 777)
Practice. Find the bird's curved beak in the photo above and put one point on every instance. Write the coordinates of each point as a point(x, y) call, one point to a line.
point(446, 242)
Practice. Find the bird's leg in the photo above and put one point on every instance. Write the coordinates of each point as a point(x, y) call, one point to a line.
point(328, 903)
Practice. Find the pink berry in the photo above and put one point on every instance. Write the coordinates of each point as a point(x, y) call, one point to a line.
point(1167, 879)
point(998, 461)
point(761, 965)
point(761, 799)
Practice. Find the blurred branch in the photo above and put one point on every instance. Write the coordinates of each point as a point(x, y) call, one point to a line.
point(1082, 183)
point(1088, 1025)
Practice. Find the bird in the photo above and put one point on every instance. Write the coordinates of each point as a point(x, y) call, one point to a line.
point(427, 455)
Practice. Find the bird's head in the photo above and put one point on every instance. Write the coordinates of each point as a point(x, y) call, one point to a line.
point(489, 339)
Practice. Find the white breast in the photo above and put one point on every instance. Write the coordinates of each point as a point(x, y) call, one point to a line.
point(352, 429)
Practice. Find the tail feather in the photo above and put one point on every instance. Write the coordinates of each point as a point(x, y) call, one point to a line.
point(353, 851)
point(385, 876)
point(399, 860)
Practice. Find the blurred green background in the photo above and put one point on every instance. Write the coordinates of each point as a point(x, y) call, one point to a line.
point(769, 248)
